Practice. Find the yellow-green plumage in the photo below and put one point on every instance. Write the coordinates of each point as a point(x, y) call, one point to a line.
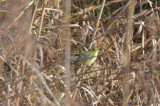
point(88, 57)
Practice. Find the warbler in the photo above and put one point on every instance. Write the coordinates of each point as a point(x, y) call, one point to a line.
point(87, 57)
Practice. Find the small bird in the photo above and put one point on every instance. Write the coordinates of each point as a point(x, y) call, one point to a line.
point(87, 57)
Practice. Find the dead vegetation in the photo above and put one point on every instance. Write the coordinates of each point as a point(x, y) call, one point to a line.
point(34, 49)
